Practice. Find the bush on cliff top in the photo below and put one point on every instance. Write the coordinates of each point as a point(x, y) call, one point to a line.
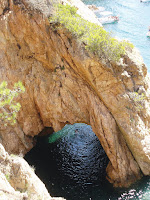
point(97, 40)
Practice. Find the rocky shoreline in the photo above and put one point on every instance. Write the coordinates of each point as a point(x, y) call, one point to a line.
point(18, 180)
point(67, 84)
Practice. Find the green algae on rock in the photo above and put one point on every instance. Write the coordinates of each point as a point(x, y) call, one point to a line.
point(68, 129)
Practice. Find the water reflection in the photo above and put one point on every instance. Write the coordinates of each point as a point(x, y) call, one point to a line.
point(73, 164)
point(74, 167)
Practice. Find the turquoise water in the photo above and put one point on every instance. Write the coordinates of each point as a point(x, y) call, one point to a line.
point(134, 20)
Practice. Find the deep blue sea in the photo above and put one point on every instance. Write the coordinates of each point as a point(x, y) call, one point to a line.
point(134, 21)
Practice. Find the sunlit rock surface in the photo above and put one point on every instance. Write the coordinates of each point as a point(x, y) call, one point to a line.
point(64, 84)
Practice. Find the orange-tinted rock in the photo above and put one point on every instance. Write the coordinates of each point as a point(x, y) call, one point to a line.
point(65, 84)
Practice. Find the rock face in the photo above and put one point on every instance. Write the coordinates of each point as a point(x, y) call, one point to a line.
point(18, 180)
point(64, 84)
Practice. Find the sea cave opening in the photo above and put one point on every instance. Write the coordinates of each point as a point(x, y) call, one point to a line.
point(71, 162)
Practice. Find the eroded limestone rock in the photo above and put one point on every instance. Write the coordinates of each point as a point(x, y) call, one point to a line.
point(65, 84)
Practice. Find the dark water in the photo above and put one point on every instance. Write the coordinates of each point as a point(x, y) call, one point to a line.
point(74, 167)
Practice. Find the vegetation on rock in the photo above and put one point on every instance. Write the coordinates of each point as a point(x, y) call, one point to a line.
point(138, 100)
point(97, 40)
point(68, 129)
point(8, 106)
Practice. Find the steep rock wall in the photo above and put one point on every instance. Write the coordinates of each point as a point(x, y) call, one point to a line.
point(65, 84)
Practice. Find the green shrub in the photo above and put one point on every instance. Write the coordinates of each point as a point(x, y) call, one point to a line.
point(97, 40)
point(8, 106)
point(138, 100)
point(7, 177)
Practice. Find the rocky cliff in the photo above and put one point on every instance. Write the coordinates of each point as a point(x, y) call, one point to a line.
point(65, 84)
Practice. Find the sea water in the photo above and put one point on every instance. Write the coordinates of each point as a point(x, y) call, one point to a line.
point(134, 21)
point(74, 167)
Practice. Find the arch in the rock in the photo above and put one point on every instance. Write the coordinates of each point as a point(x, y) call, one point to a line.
point(64, 84)
point(62, 154)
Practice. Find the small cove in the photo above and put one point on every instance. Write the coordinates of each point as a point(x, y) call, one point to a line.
point(74, 167)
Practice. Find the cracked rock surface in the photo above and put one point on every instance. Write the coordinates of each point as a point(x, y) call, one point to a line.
point(65, 84)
